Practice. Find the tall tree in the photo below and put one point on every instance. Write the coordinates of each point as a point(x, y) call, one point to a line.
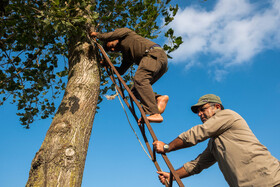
point(35, 36)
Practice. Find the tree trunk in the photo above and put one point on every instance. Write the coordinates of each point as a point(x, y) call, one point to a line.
point(61, 158)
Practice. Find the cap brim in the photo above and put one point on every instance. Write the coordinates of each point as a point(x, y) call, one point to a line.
point(195, 107)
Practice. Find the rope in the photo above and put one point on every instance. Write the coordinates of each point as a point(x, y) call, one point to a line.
point(132, 126)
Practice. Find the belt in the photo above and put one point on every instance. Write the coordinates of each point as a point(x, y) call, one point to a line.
point(156, 46)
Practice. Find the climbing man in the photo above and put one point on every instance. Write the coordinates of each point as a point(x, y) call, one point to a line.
point(243, 160)
point(152, 64)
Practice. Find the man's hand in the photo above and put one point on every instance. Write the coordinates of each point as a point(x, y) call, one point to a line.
point(158, 146)
point(93, 34)
point(163, 176)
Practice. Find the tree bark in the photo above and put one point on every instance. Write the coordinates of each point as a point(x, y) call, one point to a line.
point(60, 160)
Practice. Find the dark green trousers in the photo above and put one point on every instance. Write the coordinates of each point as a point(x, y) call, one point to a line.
point(150, 69)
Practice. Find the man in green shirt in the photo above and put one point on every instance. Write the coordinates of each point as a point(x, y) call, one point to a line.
point(243, 160)
point(152, 64)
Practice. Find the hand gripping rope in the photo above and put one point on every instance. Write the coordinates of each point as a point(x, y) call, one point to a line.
point(121, 87)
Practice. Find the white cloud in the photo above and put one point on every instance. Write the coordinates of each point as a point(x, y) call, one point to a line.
point(232, 33)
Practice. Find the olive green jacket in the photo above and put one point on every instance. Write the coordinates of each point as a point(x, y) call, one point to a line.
point(243, 160)
point(132, 46)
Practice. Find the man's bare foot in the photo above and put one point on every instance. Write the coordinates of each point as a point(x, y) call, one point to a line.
point(162, 102)
point(155, 118)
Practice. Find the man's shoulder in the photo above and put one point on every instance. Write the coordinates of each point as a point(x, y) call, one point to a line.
point(124, 29)
point(227, 112)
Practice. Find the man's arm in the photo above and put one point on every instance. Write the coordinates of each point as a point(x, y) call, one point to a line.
point(174, 145)
point(163, 176)
point(214, 126)
point(110, 36)
point(203, 161)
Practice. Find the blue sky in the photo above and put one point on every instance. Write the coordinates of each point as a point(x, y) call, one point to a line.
point(231, 49)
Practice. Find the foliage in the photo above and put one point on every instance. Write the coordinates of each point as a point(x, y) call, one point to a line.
point(34, 46)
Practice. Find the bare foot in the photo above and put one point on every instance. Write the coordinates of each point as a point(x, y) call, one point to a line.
point(156, 118)
point(162, 102)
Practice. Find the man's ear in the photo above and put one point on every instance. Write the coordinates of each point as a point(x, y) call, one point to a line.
point(218, 106)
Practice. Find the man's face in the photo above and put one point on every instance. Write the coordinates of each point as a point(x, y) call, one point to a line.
point(206, 111)
point(112, 45)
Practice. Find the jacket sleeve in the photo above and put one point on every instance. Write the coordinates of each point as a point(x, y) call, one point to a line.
point(203, 161)
point(115, 35)
point(214, 126)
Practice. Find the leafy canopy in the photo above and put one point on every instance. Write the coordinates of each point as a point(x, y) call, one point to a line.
point(34, 44)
